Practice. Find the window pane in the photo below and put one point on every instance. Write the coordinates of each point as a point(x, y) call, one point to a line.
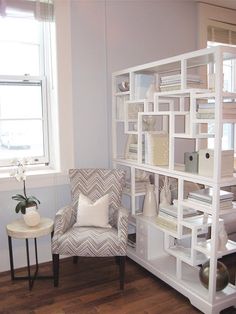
point(20, 30)
point(20, 101)
point(24, 64)
point(26, 61)
point(21, 139)
point(19, 46)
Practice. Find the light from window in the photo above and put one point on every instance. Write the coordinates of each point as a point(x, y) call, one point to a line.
point(23, 91)
point(229, 70)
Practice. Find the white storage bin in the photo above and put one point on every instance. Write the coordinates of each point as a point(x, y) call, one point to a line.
point(206, 162)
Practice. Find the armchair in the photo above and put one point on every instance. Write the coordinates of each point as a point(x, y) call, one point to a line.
point(71, 240)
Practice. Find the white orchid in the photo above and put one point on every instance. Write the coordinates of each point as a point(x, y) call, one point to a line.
point(20, 175)
point(19, 172)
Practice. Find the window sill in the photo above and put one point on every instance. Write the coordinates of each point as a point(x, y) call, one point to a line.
point(35, 179)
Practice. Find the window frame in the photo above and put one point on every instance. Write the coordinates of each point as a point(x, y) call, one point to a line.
point(30, 81)
point(45, 77)
point(62, 136)
point(210, 15)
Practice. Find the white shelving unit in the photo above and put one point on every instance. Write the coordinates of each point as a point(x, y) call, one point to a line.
point(175, 254)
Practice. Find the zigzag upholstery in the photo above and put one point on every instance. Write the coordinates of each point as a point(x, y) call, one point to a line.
point(91, 241)
point(95, 183)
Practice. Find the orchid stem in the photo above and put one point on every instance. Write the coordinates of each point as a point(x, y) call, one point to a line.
point(24, 189)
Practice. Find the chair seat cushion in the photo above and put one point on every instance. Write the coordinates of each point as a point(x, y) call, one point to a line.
point(89, 241)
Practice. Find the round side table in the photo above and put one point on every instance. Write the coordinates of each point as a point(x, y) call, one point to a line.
point(19, 230)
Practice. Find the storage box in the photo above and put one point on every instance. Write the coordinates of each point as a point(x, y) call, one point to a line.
point(157, 149)
point(191, 162)
point(206, 162)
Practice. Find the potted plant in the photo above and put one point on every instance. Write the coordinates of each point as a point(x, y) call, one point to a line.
point(27, 205)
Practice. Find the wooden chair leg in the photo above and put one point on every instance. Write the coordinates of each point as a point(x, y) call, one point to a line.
point(117, 259)
point(55, 258)
point(75, 259)
point(122, 271)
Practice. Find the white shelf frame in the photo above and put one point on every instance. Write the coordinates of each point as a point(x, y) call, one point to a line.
point(180, 276)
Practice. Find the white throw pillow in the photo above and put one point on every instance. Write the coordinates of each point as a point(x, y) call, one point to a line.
point(93, 214)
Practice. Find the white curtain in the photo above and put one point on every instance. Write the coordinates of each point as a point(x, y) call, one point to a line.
point(41, 10)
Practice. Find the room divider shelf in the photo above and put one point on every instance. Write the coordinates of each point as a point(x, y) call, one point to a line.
point(175, 112)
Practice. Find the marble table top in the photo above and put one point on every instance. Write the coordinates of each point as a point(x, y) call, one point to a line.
point(19, 230)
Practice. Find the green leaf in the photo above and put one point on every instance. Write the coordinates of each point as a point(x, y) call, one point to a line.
point(20, 207)
point(18, 197)
point(34, 199)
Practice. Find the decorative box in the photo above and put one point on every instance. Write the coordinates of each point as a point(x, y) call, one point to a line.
point(157, 149)
point(206, 162)
point(191, 162)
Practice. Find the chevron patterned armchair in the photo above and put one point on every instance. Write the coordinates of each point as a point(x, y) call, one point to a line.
point(72, 240)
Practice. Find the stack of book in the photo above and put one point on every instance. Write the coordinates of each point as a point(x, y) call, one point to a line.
point(173, 82)
point(133, 151)
point(204, 196)
point(207, 110)
point(167, 216)
point(140, 186)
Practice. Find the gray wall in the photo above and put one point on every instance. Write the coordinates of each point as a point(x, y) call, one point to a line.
point(106, 36)
point(112, 35)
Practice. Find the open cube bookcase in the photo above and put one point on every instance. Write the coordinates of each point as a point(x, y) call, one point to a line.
point(152, 133)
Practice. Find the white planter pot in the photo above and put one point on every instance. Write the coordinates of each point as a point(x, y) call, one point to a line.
point(31, 216)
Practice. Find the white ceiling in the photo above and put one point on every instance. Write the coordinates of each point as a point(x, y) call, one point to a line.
point(223, 3)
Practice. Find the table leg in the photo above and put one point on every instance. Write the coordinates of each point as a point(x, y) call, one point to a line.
point(36, 256)
point(11, 258)
point(28, 264)
point(30, 278)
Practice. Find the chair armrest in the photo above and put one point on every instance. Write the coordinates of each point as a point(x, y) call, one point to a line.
point(63, 220)
point(122, 226)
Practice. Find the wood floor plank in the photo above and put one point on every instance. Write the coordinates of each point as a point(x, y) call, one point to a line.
point(92, 287)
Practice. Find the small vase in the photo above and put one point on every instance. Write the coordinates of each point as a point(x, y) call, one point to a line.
point(150, 203)
point(165, 194)
point(31, 216)
point(222, 237)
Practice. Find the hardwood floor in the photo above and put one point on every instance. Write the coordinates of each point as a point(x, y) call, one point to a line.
point(92, 286)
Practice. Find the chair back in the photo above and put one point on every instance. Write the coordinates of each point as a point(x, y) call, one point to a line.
point(94, 183)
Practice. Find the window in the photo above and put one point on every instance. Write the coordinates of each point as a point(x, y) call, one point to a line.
point(224, 34)
point(26, 34)
point(216, 25)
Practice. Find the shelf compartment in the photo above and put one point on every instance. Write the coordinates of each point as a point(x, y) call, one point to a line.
point(122, 93)
point(197, 222)
point(153, 222)
point(184, 254)
point(189, 285)
point(202, 135)
point(176, 173)
point(205, 248)
point(228, 211)
point(197, 206)
point(127, 191)
point(203, 121)
point(181, 92)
